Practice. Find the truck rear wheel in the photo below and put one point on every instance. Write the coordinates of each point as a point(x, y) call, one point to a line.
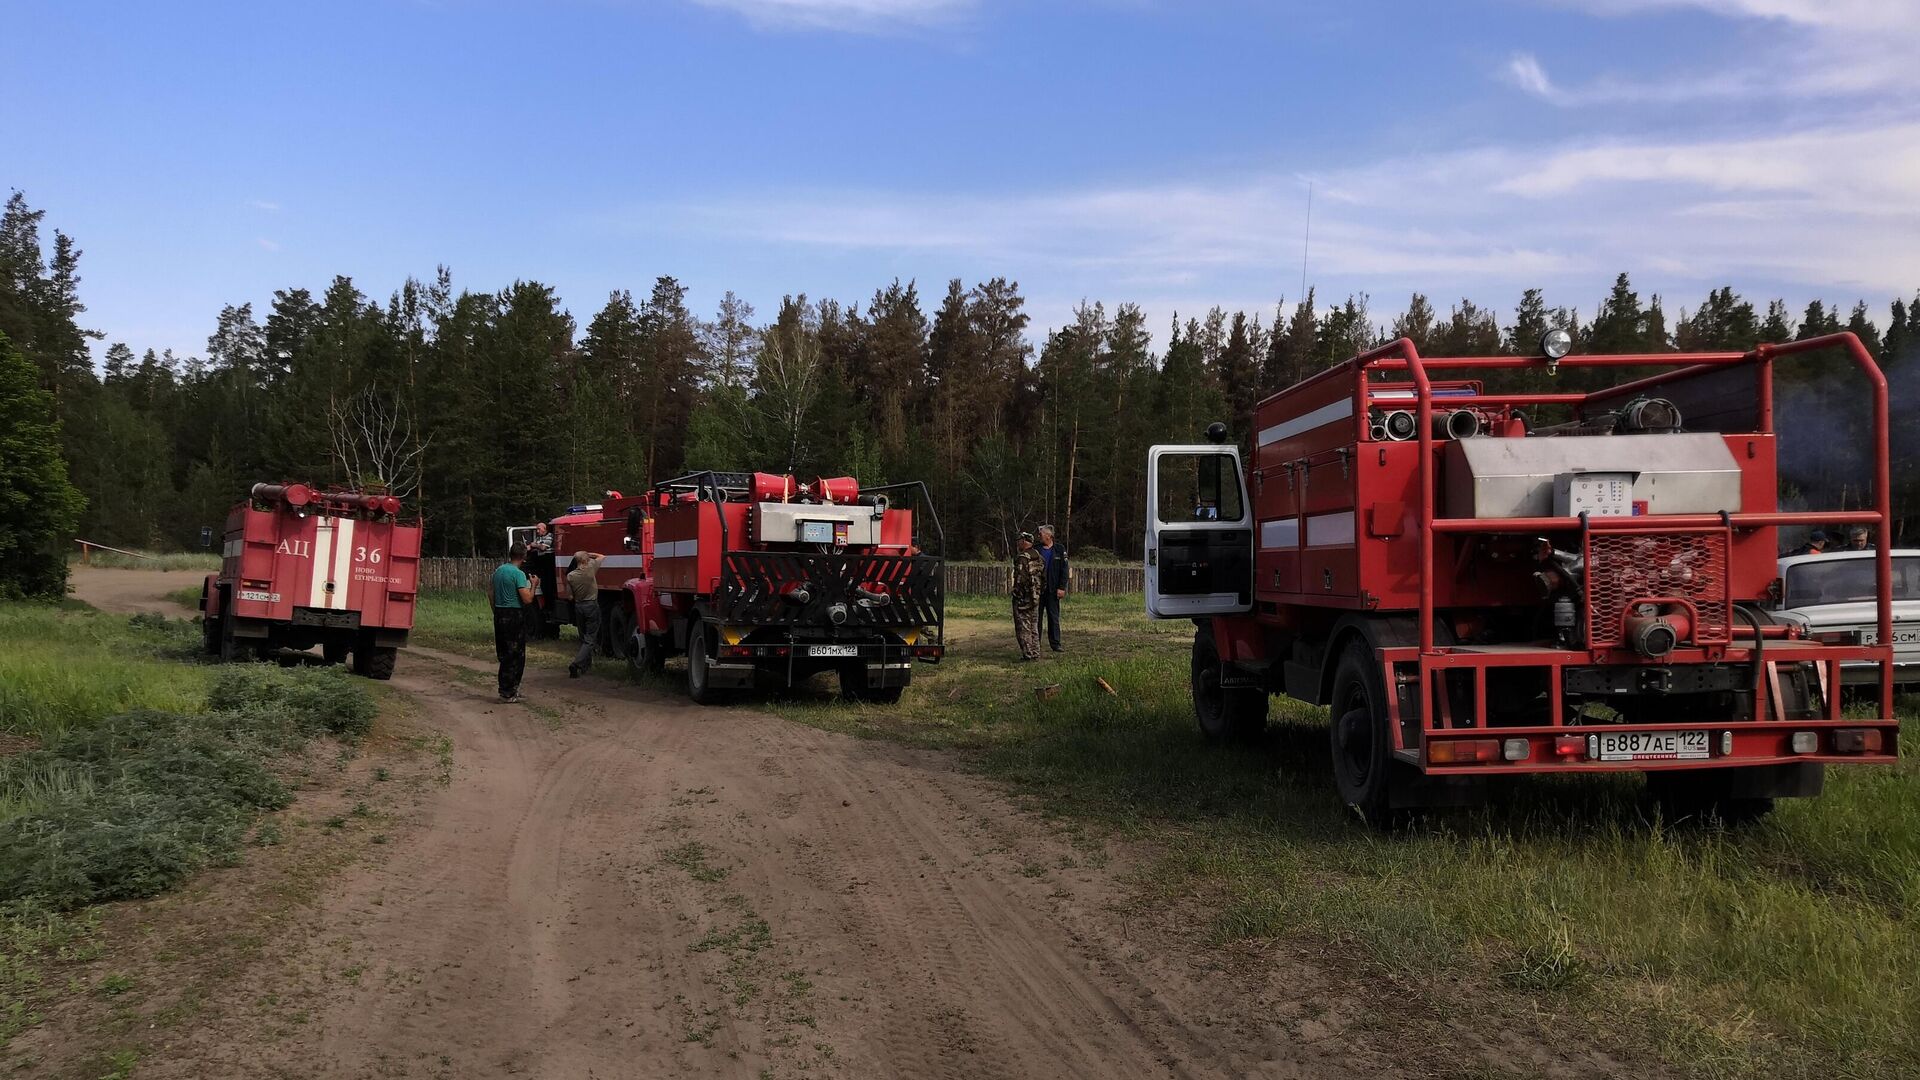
point(333, 652)
point(1362, 750)
point(699, 680)
point(1225, 713)
point(229, 648)
point(375, 661)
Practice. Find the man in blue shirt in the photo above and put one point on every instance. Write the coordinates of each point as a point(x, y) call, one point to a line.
point(512, 596)
point(1053, 585)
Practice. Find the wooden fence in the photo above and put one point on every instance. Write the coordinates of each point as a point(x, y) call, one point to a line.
point(963, 578)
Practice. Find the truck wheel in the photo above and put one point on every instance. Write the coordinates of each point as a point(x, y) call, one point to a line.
point(646, 653)
point(853, 687)
point(699, 685)
point(1226, 714)
point(333, 652)
point(375, 661)
point(210, 634)
point(1362, 754)
point(1697, 796)
point(229, 650)
point(616, 631)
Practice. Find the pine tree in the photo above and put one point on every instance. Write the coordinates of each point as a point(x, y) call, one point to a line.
point(1778, 327)
point(1862, 327)
point(1416, 323)
point(38, 507)
point(1530, 324)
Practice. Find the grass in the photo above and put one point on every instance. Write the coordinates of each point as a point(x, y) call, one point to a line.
point(127, 767)
point(202, 561)
point(62, 665)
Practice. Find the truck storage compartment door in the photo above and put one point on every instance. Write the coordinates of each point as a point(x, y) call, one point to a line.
point(1199, 539)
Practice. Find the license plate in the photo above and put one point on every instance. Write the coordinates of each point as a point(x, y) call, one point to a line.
point(1652, 745)
point(1900, 637)
point(833, 650)
point(252, 594)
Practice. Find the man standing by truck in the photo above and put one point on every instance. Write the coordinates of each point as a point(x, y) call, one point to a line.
point(584, 587)
point(1029, 577)
point(512, 597)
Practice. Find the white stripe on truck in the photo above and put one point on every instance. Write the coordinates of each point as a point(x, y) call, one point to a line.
point(322, 558)
point(1320, 417)
point(342, 563)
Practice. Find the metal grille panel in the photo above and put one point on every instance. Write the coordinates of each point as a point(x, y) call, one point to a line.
point(754, 586)
point(1628, 568)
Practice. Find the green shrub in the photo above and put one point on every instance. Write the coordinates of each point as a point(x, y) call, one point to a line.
point(317, 700)
point(127, 808)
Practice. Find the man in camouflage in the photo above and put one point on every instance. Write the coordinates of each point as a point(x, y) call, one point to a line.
point(1029, 577)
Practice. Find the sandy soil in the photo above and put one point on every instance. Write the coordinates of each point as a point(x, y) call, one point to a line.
point(616, 883)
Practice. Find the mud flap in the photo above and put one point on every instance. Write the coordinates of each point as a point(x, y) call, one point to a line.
point(1414, 790)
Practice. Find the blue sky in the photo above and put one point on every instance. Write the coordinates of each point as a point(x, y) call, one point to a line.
point(1124, 150)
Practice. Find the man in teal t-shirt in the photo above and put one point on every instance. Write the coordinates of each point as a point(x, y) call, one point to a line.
point(512, 595)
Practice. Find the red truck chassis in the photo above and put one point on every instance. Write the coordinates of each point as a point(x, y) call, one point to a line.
point(1454, 644)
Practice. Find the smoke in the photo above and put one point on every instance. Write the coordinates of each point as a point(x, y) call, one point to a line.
point(1823, 415)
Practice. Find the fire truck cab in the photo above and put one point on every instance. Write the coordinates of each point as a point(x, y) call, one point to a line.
point(1475, 594)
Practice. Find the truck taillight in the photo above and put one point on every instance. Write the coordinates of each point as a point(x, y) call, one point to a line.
point(1462, 751)
point(1837, 637)
point(1858, 741)
point(1568, 746)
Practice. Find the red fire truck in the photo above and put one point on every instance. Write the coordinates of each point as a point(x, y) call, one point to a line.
point(760, 580)
point(302, 567)
point(1475, 594)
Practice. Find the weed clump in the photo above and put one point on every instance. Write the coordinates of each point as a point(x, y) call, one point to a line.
point(316, 701)
point(126, 809)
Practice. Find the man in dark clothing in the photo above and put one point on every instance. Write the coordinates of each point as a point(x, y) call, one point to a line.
point(1053, 585)
point(584, 587)
point(512, 596)
point(1816, 545)
point(1859, 539)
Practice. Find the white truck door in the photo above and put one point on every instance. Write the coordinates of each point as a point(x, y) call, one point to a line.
point(1199, 544)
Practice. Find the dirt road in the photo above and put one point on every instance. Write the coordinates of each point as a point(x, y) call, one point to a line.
point(619, 884)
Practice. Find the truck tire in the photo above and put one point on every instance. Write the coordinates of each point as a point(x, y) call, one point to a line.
point(1362, 748)
point(209, 625)
point(375, 661)
point(1225, 714)
point(699, 687)
point(616, 630)
point(333, 652)
point(1699, 797)
point(853, 687)
point(646, 653)
point(229, 650)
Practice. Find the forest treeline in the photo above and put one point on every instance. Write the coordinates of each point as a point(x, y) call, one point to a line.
point(487, 409)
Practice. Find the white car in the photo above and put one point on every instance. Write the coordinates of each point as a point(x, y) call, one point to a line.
point(1833, 598)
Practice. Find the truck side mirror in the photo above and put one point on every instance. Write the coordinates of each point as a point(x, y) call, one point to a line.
point(206, 537)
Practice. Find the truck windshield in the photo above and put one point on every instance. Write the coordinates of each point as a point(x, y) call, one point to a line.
point(1846, 581)
point(1198, 487)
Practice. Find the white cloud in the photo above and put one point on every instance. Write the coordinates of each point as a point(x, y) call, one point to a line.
point(266, 244)
point(265, 205)
point(1828, 211)
point(1525, 72)
point(1855, 14)
point(857, 15)
point(1820, 49)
